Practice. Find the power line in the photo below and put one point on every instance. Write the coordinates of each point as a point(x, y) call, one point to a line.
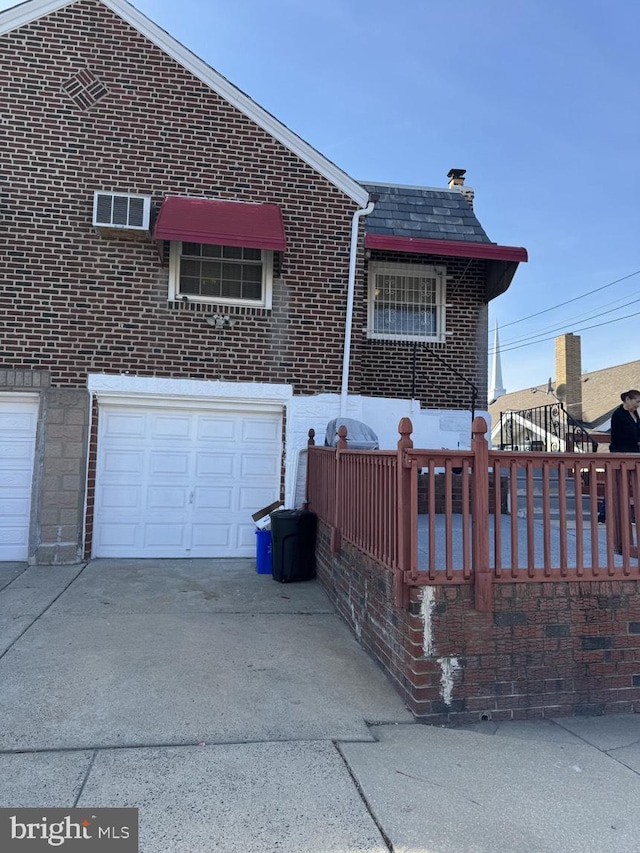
point(569, 301)
point(514, 341)
point(576, 318)
point(584, 328)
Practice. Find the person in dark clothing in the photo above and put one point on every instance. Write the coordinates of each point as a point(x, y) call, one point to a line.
point(625, 424)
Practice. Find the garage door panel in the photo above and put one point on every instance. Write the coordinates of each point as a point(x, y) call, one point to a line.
point(115, 497)
point(252, 498)
point(165, 536)
point(165, 497)
point(171, 426)
point(256, 465)
point(246, 536)
point(199, 482)
point(120, 537)
point(15, 507)
point(176, 463)
point(122, 463)
point(12, 535)
point(18, 424)
point(223, 464)
point(212, 536)
point(120, 425)
point(219, 429)
point(15, 479)
point(260, 431)
point(16, 452)
point(218, 498)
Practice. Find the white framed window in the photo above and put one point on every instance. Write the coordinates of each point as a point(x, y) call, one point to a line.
point(407, 302)
point(222, 274)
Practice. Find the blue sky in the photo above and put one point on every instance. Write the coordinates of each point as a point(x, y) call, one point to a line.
point(537, 99)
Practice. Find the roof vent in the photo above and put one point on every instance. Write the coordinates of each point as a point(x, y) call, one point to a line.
point(121, 211)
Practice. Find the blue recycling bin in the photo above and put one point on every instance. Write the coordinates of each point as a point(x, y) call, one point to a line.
point(263, 552)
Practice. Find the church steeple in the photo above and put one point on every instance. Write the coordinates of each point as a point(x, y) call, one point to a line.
point(496, 388)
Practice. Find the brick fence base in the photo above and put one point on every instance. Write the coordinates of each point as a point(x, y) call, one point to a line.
point(547, 649)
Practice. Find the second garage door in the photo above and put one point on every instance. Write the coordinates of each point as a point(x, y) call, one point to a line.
point(174, 482)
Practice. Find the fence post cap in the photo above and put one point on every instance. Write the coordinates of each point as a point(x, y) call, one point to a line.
point(479, 425)
point(405, 428)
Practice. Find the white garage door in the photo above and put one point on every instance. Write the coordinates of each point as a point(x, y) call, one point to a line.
point(18, 422)
point(176, 482)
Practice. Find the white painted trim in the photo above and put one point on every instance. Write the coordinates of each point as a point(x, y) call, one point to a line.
point(34, 9)
point(155, 401)
point(22, 396)
point(122, 389)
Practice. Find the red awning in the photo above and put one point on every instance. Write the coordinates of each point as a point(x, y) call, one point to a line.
point(224, 223)
point(447, 248)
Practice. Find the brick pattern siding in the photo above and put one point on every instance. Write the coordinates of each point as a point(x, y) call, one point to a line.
point(546, 650)
point(387, 366)
point(90, 104)
point(75, 302)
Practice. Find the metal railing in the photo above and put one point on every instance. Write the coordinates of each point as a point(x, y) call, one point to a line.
point(548, 429)
point(488, 517)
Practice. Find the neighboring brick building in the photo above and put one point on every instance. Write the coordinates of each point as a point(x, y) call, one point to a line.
point(177, 285)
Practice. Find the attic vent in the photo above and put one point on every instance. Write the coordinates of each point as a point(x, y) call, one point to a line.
point(85, 89)
point(119, 210)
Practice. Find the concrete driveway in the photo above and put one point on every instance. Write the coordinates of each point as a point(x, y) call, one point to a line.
point(238, 714)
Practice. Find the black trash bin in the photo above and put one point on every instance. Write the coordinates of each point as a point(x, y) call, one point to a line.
point(293, 545)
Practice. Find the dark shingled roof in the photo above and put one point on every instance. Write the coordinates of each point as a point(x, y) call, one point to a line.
point(431, 214)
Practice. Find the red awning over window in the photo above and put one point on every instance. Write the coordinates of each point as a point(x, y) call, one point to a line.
point(224, 223)
point(448, 248)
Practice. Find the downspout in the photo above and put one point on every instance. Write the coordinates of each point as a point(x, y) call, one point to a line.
point(344, 392)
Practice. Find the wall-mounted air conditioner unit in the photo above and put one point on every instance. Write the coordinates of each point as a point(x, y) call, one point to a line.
point(121, 211)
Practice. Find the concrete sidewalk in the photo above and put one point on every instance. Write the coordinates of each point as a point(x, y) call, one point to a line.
point(239, 714)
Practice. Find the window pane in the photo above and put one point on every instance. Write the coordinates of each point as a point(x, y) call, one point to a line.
point(232, 272)
point(211, 251)
point(231, 289)
point(403, 321)
point(192, 249)
point(210, 287)
point(252, 273)
point(253, 254)
point(252, 290)
point(189, 285)
point(201, 274)
point(190, 268)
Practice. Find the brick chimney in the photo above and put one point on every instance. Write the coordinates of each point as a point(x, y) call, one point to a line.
point(456, 181)
point(569, 374)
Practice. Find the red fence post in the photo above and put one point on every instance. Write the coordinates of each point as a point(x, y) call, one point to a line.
point(405, 515)
point(336, 533)
point(310, 443)
point(483, 577)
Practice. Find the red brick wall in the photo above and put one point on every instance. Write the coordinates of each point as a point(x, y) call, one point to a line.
point(75, 302)
point(546, 650)
point(387, 366)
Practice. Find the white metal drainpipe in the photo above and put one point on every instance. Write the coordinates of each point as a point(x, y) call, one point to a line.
point(344, 392)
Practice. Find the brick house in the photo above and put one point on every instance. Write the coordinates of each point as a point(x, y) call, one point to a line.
point(187, 286)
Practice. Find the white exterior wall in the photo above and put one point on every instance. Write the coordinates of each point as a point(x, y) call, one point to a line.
point(432, 428)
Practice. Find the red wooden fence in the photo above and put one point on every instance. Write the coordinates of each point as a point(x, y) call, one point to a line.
point(505, 517)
